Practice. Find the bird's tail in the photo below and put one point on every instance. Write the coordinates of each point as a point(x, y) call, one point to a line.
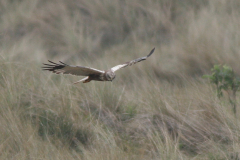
point(85, 80)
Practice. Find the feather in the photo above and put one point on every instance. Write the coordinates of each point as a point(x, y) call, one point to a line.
point(68, 69)
point(115, 68)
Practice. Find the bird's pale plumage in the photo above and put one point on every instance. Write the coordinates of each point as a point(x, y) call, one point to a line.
point(132, 62)
point(91, 73)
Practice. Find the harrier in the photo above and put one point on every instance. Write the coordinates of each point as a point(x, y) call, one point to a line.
point(91, 73)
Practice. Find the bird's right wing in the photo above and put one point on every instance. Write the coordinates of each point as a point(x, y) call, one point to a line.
point(69, 69)
point(132, 62)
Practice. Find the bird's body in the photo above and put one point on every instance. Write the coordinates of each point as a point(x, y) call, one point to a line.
point(106, 76)
point(91, 73)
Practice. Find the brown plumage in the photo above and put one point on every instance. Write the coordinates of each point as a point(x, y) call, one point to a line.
point(91, 73)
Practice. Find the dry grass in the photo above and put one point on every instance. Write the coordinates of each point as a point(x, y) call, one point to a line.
point(157, 109)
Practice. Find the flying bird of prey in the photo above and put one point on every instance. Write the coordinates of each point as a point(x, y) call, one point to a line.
point(90, 73)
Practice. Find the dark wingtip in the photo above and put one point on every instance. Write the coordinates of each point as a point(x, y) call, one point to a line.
point(53, 66)
point(52, 62)
point(63, 63)
point(151, 52)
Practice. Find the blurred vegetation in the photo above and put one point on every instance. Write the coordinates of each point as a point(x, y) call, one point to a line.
point(225, 79)
point(158, 109)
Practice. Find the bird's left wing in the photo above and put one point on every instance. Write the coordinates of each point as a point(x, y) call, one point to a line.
point(69, 69)
point(132, 62)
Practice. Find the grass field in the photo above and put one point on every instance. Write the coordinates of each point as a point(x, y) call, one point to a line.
point(161, 108)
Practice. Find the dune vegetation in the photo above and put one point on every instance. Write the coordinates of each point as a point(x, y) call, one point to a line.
point(161, 108)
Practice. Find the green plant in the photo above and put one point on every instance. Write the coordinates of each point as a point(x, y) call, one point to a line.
point(225, 79)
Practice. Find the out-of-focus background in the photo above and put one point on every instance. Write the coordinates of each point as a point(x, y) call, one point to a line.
point(161, 108)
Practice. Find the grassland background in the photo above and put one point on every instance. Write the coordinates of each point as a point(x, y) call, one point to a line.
point(158, 109)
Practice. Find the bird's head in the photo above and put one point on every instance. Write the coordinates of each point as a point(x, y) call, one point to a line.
point(110, 75)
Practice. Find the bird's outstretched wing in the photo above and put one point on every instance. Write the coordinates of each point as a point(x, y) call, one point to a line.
point(131, 62)
point(69, 69)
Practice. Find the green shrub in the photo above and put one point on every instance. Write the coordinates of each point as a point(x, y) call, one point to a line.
point(225, 79)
